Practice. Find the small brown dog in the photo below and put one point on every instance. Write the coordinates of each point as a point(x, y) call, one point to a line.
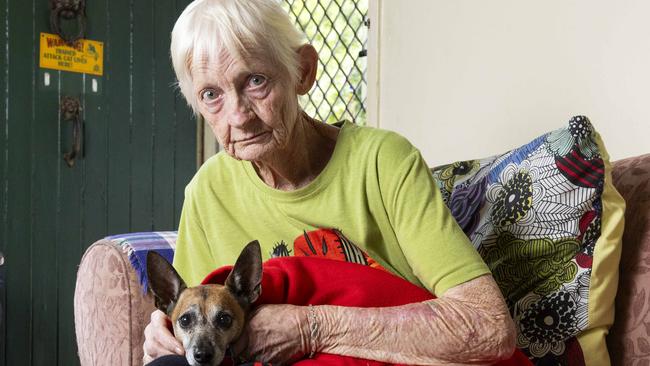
point(207, 318)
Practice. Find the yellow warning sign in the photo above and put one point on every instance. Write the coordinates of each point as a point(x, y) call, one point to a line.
point(84, 56)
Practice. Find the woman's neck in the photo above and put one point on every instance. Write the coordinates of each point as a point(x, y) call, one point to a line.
point(301, 161)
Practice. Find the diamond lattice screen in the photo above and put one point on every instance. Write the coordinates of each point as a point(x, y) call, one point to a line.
point(337, 30)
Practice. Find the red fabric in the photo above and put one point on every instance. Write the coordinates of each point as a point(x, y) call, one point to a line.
point(318, 281)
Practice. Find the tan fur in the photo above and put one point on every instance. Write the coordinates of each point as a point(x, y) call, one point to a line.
point(207, 318)
point(204, 302)
point(219, 297)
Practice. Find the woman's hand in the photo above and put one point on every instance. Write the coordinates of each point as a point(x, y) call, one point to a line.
point(275, 333)
point(158, 338)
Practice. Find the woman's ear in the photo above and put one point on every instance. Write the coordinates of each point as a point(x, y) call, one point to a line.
point(308, 59)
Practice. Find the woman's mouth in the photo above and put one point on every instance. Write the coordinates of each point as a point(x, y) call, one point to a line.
point(252, 138)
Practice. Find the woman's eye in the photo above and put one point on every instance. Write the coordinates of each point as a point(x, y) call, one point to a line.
point(208, 95)
point(256, 80)
point(185, 320)
point(223, 320)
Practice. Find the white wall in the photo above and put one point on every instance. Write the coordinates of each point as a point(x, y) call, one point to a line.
point(464, 79)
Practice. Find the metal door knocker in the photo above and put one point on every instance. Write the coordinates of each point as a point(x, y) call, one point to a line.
point(71, 111)
point(68, 9)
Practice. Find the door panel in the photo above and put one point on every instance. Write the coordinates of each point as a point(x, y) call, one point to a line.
point(45, 159)
point(117, 93)
point(139, 153)
point(141, 123)
point(168, 134)
point(17, 178)
point(95, 161)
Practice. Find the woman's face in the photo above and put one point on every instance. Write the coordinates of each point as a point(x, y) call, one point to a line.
point(250, 105)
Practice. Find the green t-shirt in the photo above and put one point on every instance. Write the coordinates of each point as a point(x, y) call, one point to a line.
point(374, 203)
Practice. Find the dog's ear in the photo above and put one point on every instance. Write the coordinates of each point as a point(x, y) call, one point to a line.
point(164, 282)
point(245, 279)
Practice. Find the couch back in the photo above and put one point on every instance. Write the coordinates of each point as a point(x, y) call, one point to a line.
point(628, 339)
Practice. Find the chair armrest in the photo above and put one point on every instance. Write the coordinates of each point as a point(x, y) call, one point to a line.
point(110, 308)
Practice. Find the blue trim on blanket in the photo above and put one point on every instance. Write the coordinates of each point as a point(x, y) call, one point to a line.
point(137, 245)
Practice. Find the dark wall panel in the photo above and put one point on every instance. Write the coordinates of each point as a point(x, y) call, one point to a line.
point(117, 94)
point(164, 15)
point(3, 175)
point(95, 163)
point(139, 153)
point(185, 131)
point(69, 223)
point(142, 121)
point(45, 159)
point(18, 153)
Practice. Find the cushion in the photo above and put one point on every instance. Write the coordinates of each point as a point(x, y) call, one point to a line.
point(548, 222)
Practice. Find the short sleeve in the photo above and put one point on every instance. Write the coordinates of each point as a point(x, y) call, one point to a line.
point(192, 258)
point(436, 248)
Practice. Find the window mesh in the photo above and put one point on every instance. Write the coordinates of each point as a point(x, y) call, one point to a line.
point(337, 29)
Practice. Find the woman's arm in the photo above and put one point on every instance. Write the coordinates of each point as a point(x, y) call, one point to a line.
point(468, 324)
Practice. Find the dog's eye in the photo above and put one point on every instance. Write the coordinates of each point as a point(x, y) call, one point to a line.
point(185, 320)
point(223, 320)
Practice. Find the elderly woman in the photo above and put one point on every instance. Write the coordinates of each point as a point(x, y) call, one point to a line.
point(283, 176)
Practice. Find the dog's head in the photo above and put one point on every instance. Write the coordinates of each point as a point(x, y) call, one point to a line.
point(207, 318)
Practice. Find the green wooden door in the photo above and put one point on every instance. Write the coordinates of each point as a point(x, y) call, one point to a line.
point(139, 153)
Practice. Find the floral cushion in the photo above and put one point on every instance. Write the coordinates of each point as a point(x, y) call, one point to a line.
point(548, 223)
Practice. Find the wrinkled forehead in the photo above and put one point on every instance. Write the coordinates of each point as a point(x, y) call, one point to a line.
point(202, 63)
point(224, 62)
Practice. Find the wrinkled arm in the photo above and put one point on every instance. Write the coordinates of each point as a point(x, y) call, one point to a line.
point(469, 324)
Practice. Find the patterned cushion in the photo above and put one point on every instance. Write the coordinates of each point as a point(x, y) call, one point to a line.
point(548, 223)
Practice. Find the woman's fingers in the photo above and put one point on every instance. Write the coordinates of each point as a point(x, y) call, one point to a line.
point(158, 338)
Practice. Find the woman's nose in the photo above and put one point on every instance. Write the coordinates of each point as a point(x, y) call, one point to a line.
point(239, 112)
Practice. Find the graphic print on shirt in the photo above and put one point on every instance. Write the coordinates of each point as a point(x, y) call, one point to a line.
point(280, 250)
point(325, 243)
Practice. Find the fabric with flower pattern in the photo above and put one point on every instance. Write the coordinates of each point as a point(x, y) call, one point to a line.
point(545, 323)
point(538, 266)
point(448, 175)
point(556, 208)
point(579, 132)
point(534, 214)
point(465, 204)
point(514, 200)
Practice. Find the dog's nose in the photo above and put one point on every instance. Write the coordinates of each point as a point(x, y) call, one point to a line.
point(203, 356)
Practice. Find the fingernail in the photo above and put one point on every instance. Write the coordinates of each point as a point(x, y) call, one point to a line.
point(179, 351)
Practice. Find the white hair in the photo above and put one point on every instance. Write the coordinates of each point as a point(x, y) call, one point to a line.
point(241, 28)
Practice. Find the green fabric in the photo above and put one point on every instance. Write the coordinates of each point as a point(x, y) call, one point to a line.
point(376, 190)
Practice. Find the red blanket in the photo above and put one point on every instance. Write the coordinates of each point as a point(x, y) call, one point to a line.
point(318, 281)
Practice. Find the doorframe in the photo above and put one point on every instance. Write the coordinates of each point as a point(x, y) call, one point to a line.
point(207, 144)
point(374, 65)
